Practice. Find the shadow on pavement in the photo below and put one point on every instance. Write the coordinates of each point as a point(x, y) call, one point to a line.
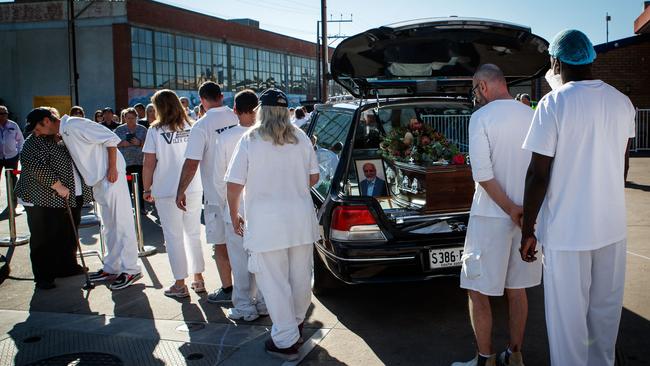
point(427, 323)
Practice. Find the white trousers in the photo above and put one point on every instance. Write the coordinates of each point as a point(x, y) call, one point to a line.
point(182, 232)
point(583, 297)
point(118, 229)
point(284, 276)
point(245, 294)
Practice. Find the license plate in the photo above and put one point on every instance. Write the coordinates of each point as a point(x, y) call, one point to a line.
point(446, 257)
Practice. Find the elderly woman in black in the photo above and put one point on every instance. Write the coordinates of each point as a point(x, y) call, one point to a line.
point(48, 178)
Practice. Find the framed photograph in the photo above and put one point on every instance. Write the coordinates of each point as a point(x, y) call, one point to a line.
point(371, 177)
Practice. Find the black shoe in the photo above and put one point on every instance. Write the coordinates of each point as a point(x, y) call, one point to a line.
point(124, 280)
point(45, 285)
point(289, 354)
point(100, 276)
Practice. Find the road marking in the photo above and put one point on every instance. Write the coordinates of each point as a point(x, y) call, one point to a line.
point(223, 339)
point(638, 255)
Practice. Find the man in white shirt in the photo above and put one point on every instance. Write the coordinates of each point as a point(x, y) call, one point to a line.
point(491, 262)
point(93, 149)
point(11, 143)
point(201, 149)
point(248, 303)
point(578, 139)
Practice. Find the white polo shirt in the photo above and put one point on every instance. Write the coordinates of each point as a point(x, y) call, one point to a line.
point(585, 126)
point(496, 132)
point(201, 146)
point(169, 147)
point(278, 205)
point(87, 142)
point(225, 148)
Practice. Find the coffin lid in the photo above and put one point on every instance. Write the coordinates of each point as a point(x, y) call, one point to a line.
point(435, 56)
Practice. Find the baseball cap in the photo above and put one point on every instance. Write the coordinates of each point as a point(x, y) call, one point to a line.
point(572, 47)
point(273, 97)
point(108, 109)
point(37, 114)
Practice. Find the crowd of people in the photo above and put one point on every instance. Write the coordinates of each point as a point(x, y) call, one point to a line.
point(215, 160)
point(251, 168)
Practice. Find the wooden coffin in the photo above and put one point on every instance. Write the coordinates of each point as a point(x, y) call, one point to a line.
point(434, 188)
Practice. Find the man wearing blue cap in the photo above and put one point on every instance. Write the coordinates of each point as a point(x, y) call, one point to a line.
point(579, 137)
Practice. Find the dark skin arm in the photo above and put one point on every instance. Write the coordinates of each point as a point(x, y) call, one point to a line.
point(537, 180)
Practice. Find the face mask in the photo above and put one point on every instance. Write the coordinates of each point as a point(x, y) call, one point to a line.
point(554, 80)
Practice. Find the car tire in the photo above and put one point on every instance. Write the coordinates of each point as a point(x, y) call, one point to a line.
point(323, 281)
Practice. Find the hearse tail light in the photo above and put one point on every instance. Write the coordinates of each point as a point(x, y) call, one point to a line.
point(354, 223)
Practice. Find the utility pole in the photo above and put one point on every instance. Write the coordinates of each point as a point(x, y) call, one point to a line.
point(321, 72)
point(608, 18)
point(324, 51)
point(72, 52)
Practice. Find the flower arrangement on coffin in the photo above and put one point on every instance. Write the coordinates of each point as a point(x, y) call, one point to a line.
point(419, 143)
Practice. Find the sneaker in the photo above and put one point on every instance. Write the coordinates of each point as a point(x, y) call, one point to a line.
point(510, 359)
point(101, 276)
point(478, 361)
point(220, 296)
point(261, 309)
point(288, 354)
point(124, 280)
point(177, 291)
point(198, 286)
point(235, 314)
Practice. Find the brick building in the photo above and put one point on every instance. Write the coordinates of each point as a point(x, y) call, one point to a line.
point(625, 63)
point(125, 50)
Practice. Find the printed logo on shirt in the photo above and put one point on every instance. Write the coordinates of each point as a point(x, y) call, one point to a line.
point(220, 130)
point(176, 137)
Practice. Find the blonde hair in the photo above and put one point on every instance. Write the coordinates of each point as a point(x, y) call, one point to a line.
point(273, 125)
point(169, 111)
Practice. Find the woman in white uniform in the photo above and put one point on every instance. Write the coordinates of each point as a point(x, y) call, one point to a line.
point(164, 151)
point(277, 164)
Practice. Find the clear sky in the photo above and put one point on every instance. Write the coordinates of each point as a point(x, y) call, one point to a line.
point(298, 18)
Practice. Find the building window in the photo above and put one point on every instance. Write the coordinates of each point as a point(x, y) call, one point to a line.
point(185, 63)
point(264, 64)
point(302, 75)
point(237, 68)
point(252, 78)
point(165, 60)
point(142, 58)
point(203, 57)
point(277, 71)
point(220, 63)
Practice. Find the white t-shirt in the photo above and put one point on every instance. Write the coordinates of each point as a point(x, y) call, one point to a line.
point(169, 147)
point(278, 205)
point(201, 147)
point(496, 132)
point(300, 122)
point(585, 126)
point(225, 148)
point(87, 142)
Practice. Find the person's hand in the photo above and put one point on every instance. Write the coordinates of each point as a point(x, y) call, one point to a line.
point(111, 175)
point(237, 224)
point(527, 248)
point(146, 195)
point(62, 191)
point(135, 141)
point(516, 215)
point(181, 201)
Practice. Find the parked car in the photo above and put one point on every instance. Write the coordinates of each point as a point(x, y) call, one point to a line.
point(415, 70)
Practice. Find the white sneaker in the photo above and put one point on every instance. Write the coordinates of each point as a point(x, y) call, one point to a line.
point(476, 362)
point(235, 314)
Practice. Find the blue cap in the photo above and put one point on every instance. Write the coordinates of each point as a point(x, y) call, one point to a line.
point(572, 47)
point(274, 97)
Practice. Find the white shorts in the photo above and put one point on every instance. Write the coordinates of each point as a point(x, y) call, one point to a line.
point(215, 229)
point(491, 259)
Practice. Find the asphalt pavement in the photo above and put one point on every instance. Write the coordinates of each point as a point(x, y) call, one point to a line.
point(396, 324)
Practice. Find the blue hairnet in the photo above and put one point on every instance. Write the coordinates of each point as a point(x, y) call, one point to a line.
point(572, 47)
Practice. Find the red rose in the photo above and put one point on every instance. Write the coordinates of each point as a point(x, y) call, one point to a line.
point(458, 159)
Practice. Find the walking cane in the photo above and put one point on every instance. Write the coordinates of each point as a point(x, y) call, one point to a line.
point(89, 285)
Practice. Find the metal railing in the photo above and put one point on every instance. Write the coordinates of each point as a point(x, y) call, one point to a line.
point(642, 136)
point(454, 127)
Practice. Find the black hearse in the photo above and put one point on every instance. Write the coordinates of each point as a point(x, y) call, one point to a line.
point(403, 229)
